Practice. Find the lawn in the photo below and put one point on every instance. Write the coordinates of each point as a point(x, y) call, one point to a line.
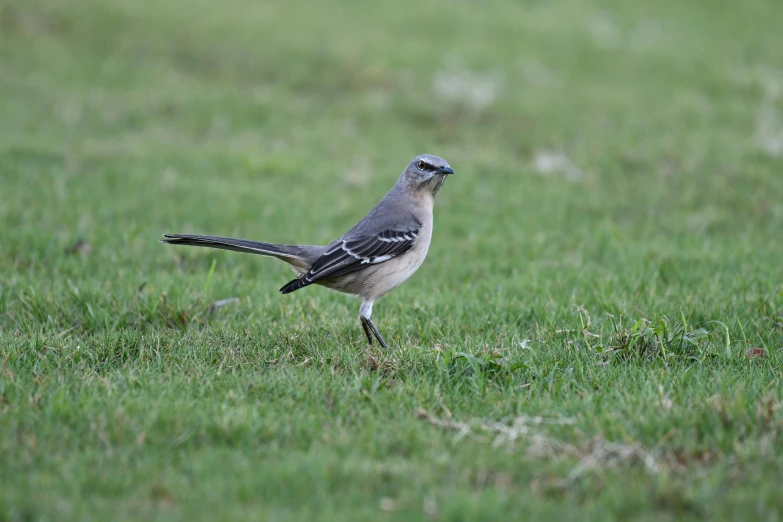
point(597, 331)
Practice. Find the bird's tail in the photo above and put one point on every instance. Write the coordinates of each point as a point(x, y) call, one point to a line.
point(300, 256)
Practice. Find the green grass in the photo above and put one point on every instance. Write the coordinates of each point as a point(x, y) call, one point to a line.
point(576, 345)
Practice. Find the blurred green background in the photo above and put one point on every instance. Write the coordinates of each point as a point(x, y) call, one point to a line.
point(616, 162)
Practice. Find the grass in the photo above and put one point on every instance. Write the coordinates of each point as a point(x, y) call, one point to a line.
point(597, 332)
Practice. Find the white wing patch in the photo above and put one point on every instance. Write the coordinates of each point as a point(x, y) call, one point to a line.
point(374, 260)
point(364, 260)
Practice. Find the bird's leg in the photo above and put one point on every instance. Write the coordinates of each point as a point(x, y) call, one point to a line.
point(365, 312)
point(366, 329)
point(377, 334)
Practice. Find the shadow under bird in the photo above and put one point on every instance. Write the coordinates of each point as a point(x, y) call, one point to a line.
point(378, 254)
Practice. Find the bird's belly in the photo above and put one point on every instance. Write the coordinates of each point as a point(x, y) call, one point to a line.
point(389, 277)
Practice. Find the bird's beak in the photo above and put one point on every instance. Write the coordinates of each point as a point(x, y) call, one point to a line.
point(445, 170)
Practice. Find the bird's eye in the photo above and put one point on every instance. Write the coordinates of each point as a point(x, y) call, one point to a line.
point(422, 165)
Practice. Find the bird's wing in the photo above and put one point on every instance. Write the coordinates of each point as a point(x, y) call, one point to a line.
point(350, 255)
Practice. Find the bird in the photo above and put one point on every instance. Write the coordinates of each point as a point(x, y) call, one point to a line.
point(378, 254)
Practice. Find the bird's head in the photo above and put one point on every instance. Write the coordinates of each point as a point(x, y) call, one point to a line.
point(426, 172)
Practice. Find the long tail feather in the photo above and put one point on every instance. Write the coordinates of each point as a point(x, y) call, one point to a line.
point(237, 245)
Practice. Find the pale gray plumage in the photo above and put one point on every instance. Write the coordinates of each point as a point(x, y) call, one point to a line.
point(379, 253)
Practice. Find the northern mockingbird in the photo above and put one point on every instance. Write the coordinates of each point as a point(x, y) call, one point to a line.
point(379, 253)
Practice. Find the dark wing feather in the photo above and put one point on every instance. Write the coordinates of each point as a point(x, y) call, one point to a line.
point(347, 256)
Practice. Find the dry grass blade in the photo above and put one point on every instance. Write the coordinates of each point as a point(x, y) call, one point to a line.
point(221, 303)
point(606, 454)
point(504, 432)
point(601, 454)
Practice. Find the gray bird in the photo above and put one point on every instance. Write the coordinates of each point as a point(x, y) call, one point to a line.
point(378, 254)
